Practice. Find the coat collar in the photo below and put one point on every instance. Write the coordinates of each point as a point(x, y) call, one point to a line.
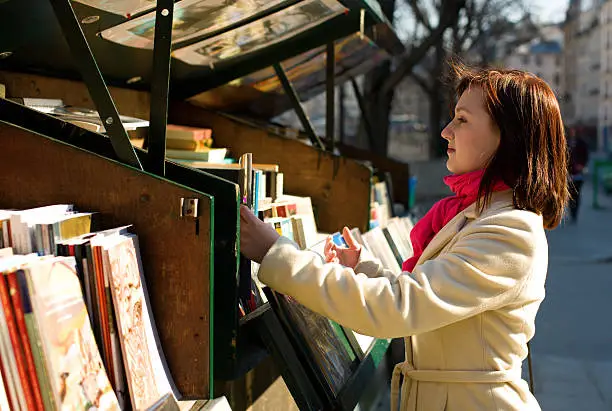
point(499, 200)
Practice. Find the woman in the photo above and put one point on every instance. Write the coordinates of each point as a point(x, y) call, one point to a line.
point(466, 301)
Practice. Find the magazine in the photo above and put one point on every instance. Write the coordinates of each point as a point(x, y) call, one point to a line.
point(191, 18)
point(262, 33)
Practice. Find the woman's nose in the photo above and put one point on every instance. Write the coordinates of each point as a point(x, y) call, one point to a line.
point(447, 132)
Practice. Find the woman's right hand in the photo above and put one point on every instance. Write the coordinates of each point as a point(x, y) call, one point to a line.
point(348, 257)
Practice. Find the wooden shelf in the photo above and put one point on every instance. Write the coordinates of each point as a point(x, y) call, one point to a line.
point(36, 170)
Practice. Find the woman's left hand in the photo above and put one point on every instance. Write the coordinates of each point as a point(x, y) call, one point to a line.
point(256, 237)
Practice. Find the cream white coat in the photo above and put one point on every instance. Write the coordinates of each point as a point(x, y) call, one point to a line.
point(466, 311)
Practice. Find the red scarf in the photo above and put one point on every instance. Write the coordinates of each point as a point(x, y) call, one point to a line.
point(465, 186)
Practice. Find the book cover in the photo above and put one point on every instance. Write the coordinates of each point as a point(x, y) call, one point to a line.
point(9, 368)
point(119, 377)
point(192, 19)
point(10, 371)
point(176, 132)
point(16, 344)
point(146, 370)
point(124, 8)
point(36, 347)
point(264, 32)
point(16, 300)
point(104, 325)
point(5, 403)
point(211, 155)
point(332, 358)
point(78, 378)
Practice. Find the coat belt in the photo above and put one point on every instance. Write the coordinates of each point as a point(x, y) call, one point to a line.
point(410, 374)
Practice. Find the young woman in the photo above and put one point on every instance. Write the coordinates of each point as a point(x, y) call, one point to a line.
point(466, 301)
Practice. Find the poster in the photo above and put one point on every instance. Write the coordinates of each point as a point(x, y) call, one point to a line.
point(192, 18)
point(121, 7)
point(262, 33)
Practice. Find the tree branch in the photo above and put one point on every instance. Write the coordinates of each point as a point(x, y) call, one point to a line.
point(421, 16)
point(450, 12)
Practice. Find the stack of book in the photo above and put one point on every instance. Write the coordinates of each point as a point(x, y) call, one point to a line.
point(381, 209)
point(80, 116)
point(188, 144)
point(76, 328)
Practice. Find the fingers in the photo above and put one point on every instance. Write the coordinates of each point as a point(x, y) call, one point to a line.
point(247, 216)
point(329, 244)
point(244, 214)
point(350, 240)
point(332, 257)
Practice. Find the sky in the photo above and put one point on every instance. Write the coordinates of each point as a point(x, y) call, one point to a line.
point(549, 10)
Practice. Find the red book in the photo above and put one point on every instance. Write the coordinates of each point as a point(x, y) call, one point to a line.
point(13, 286)
point(104, 325)
point(15, 342)
point(5, 384)
point(281, 210)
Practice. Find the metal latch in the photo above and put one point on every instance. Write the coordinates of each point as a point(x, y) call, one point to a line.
point(189, 207)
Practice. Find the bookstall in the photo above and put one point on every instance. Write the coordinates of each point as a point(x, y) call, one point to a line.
point(224, 66)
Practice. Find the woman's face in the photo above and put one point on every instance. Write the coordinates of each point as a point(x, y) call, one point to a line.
point(472, 135)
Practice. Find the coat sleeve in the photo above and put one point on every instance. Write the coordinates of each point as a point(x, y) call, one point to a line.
point(372, 267)
point(483, 270)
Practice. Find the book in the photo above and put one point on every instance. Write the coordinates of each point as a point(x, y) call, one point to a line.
point(269, 30)
point(35, 343)
point(5, 403)
point(303, 209)
point(191, 19)
point(15, 295)
point(205, 154)
point(80, 116)
point(376, 242)
point(197, 134)
point(147, 373)
point(22, 365)
point(10, 372)
point(78, 378)
point(327, 351)
point(394, 246)
point(110, 337)
point(22, 233)
point(125, 8)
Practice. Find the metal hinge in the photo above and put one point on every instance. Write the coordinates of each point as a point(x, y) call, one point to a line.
point(189, 207)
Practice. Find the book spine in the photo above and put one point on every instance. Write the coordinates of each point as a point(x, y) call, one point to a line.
point(13, 287)
point(16, 344)
point(6, 232)
point(45, 239)
point(104, 326)
point(119, 372)
point(91, 278)
point(9, 364)
point(5, 395)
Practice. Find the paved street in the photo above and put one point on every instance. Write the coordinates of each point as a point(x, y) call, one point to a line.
point(572, 349)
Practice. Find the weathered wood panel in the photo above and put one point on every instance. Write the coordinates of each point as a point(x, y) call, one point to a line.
point(339, 187)
point(36, 171)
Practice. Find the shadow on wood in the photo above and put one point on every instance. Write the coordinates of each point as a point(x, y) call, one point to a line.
point(176, 256)
point(339, 187)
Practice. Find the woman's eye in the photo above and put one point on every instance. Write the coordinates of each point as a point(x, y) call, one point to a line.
point(461, 120)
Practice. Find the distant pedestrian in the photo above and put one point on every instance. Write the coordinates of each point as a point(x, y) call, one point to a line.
point(578, 160)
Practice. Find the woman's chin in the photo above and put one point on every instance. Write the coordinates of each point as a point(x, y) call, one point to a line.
point(449, 166)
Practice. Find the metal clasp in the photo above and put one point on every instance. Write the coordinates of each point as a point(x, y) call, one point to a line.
point(189, 207)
